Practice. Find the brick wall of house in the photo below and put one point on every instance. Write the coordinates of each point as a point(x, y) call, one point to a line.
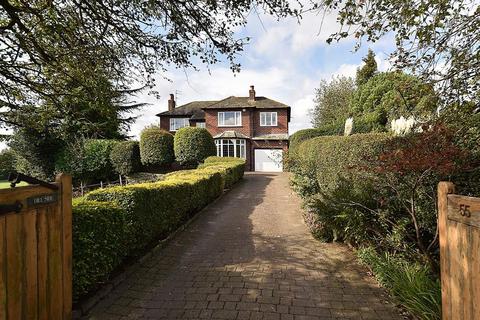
point(211, 120)
point(282, 123)
point(165, 123)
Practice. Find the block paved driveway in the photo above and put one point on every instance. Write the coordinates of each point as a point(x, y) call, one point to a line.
point(249, 256)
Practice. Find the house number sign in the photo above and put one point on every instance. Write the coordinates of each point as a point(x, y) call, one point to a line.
point(42, 199)
point(464, 210)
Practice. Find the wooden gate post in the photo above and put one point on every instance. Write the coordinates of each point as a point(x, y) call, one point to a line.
point(444, 189)
point(65, 203)
point(459, 232)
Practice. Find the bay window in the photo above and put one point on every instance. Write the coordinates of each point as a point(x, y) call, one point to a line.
point(231, 148)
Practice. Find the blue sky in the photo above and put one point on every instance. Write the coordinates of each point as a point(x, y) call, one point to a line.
point(284, 60)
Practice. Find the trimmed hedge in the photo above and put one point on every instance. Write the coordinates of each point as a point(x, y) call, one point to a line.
point(98, 246)
point(156, 147)
point(125, 157)
point(232, 169)
point(193, 145)
point(113, 224)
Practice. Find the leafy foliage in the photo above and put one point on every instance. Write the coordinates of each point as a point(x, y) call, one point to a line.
point(388, 96)
point(46, 46)
point(156, 147)
point(193, 145)
point(113, 224)
point(377, 190)
point(366, 72)
point(437, 40)
point(125, 157)
point(87, 160)
point(35, 152)
point(7, 163)
point(98, 246)
point(410, 283)
point(332, 100)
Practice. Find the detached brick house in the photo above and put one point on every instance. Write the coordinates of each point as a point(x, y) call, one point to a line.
point(253, 128)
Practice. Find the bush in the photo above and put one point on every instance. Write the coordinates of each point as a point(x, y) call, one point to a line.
point(305, 134)
point(125, 157)
point(115, 223)
point(410, 283)
point(7, 163)
point(98, 243)
point(193, 145)
point(231, 168)
point(97, 163)
point(156, 147)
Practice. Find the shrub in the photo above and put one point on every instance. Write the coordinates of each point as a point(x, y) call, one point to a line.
point(231, 168)
point(193, 145)
point(97, 163)
point(410, 283)
point(98, 243)
point(125, 157)
point(7, 163)
point(305, 134)
point(156, 147)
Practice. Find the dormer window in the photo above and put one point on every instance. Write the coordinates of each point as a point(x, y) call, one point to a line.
point(268, 119)
point(178, 123)
point(230, 119)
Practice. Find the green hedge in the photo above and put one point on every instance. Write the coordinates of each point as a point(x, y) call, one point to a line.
point(193, 145)
point(115, 223)
point(98, 243)
point(125, 157)
point(156, 147)
point(231, 168)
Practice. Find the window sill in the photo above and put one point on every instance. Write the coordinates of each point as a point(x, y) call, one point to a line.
point(264, 125)
point(239, 126)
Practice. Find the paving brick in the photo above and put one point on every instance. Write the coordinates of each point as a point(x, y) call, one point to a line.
point(248, 256)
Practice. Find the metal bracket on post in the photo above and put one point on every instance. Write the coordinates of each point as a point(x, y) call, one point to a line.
point(7, 208)
point(16, 177)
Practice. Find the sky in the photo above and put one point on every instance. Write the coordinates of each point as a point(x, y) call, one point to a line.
point(284, 60)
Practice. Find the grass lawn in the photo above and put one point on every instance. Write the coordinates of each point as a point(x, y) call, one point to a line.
point(4, 184)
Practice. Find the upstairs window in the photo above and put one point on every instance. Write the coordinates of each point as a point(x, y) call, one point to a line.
point(230, 119)
point(268, 119)
point(177, 123)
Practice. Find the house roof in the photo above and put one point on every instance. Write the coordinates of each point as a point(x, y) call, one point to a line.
point(231, 134)
point(192, 109)
point(244, 102)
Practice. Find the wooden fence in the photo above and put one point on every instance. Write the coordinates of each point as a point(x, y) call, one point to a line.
point(459, 229)
point(36, 251)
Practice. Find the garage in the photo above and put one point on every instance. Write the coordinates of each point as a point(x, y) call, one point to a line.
point(269, 160)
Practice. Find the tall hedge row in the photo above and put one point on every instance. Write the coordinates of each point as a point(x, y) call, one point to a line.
point(115, 223)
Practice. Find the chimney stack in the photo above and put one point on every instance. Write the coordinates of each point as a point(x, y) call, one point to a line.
point(251, 93)
point(171, 102)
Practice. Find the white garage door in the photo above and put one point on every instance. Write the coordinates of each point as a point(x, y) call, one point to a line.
point(269, 160)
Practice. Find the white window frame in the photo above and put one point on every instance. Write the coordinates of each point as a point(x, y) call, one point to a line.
point(265, 115)
point(201, 125)
point(237, 117)
point(174, 127)
point(239, 147)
